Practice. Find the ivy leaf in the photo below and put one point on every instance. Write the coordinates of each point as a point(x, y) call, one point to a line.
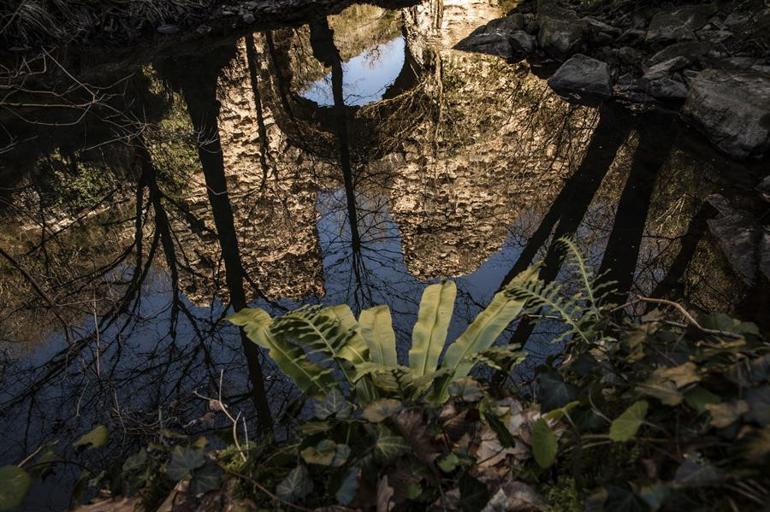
point(466, 389)
point(699, 397)
point(322, 454)
point(183, 462)
point(449, 463)
point(205, 479)
point(380, 410)
point(627, 424)
point(390, 446)
point(553, 391)
point(333, 404)
point(348, 488)
point(296, 486)
point(94, 439)
point(326, 453)
point(544, 445)
point(136, 462)
point(14, 484)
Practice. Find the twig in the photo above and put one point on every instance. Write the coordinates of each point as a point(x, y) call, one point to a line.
point(691, 319)
point(265, 491)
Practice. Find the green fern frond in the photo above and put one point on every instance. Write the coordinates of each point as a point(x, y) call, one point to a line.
point(320, 334)
point(570, 309)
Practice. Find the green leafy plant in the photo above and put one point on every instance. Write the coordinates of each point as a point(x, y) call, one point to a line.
point(312, 344)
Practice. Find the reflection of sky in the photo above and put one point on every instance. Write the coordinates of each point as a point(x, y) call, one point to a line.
point(365, 76)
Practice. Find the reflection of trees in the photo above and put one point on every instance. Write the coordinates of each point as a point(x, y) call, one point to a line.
point(198, 84)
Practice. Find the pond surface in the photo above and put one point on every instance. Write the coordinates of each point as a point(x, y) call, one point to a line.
point(353, 159)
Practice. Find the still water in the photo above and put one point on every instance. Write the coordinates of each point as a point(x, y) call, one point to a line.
point(353, 159)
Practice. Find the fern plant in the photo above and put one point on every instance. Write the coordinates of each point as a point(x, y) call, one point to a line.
point(585, 310)
point(322, 348)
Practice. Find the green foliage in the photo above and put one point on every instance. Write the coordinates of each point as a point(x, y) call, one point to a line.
point(429, 335)
point(311, 343)
point(643, 415)
point(95, 439)
point(627, 424)
point(544, 444)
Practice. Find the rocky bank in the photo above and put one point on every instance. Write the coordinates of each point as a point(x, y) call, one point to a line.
point(709, 61)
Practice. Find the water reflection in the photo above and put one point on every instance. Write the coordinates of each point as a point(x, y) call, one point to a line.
point(211, 182)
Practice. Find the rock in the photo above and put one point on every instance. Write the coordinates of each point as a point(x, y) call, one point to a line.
point(733, 109)
point(514, 22)
point(629, 55)
point(494, 38)
point(584, 76)
point(691, 50)
point(598, 31)
point(665, 68)
point(715, 36)
point(737, 20)
point(248, 18)
point(667, 89)
point(678, 23)
point(489, 44)
point(743, 241)
point(631, 89)
point(506, 25)
point(167, 29)
point(631, 36)
point(522, 43)
point(560, 37)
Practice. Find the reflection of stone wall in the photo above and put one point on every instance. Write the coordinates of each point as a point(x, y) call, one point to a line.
point(498, 144)
point(272, 190)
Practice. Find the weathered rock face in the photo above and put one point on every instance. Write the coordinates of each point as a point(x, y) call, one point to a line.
point(733, 110)
point(679, 23)
point(582, 75)
point(744, 242)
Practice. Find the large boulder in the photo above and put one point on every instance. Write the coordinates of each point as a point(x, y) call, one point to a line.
point(583, 76)
point(733, 110)
point(679, 23)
